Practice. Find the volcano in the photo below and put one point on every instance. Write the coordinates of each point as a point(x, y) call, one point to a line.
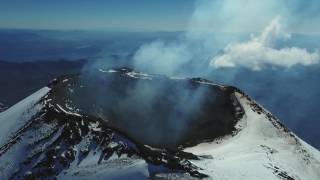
point(124, 124)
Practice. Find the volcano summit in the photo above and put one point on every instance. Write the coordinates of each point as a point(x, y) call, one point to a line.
point(120, 124)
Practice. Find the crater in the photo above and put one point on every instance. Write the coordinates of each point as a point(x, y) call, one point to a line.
point(154, 110)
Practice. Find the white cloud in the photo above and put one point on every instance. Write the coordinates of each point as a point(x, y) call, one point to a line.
point(259, 52)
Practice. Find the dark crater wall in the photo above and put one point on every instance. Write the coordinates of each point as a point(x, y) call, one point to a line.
point(152, 109)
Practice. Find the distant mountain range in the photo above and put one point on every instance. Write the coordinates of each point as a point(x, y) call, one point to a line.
point(21, 79)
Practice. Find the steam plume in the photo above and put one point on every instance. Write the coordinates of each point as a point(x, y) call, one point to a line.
point(260, 52)
point(192, 52)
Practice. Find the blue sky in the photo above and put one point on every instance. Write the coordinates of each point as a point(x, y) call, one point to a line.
point(96, 14)
point(172, 15)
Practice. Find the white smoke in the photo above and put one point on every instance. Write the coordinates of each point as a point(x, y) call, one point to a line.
point(260, 52)
point(194, 49)
point(162, 57)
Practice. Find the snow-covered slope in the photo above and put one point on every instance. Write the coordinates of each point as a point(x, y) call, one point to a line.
point(64, 131)
point(263, 149)
point(18, 115)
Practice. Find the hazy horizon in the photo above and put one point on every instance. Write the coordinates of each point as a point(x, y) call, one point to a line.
point(144, 15)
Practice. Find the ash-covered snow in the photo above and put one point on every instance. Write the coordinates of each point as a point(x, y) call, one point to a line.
point(116, 168)
point(3, 107)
